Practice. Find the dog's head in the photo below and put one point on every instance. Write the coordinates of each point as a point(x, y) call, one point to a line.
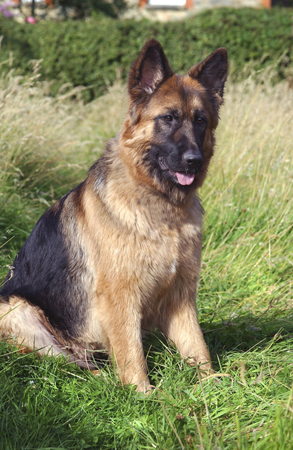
point(169, 132)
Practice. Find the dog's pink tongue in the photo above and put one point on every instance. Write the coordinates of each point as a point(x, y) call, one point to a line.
point(184, 178)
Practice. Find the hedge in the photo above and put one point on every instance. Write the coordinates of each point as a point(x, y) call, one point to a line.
point(92, 53)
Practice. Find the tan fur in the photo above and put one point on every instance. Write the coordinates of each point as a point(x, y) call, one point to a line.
point(27, 325)
point(141, 251)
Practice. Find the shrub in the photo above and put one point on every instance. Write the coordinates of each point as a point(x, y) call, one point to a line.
point(96, 52)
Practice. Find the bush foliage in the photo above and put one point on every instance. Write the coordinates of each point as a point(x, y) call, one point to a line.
point(94, 53)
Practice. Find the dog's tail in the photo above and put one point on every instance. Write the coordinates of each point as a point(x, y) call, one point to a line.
point(23, 325)
point(26, 327)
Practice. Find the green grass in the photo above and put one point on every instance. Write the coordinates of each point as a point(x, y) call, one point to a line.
point(244, 301)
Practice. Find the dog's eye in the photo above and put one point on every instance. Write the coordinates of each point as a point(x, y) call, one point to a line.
point(199, 120)
point(168, 118)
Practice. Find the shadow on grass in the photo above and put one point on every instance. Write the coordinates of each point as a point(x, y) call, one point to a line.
point(242, 335)
point(246, 333)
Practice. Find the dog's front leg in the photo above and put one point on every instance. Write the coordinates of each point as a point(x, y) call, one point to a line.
point(179, 323)
point(126, 349)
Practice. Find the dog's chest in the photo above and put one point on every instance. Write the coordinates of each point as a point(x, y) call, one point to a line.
point(142, 249)
point(158, 261)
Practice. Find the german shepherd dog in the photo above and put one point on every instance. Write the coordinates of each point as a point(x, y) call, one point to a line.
point(120, 253)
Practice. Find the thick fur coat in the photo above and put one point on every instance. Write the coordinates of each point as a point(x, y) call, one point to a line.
point(121, 252)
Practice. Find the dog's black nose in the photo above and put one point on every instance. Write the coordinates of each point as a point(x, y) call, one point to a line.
point(193, 159)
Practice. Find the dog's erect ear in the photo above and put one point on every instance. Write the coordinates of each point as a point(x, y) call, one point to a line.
point(212, 72)
point(149, 70)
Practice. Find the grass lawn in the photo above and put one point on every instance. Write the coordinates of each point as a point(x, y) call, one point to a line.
point(244, 301)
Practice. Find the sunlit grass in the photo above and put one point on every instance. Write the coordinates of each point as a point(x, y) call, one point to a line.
point(248, 198)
